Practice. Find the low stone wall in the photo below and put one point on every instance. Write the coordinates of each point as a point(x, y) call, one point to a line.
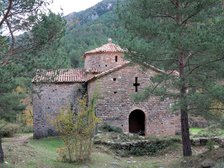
point(198, 121)
point(202, 141)
point(126, 146)
point(130, 144)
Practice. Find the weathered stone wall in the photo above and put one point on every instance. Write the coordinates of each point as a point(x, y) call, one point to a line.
point(102, 62)
point(48, 99)
point(115, 103)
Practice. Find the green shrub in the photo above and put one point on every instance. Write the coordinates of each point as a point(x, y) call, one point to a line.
point(76, 132)
point(141, 148)
point(210, 144)
point(108, 128)
point(25, 129)
point(9, 129)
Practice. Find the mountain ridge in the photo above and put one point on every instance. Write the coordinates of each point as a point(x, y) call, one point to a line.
point(93, 12)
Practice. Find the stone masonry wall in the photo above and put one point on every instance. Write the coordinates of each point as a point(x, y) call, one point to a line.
point(102, 62)
point(48, 99)
point(115, 103)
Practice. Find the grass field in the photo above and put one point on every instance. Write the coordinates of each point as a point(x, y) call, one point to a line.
point(195, 131)
point(207, 132)
point(29, 153)
point(22, 151)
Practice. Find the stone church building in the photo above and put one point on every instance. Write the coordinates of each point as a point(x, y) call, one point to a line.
point(116, 80)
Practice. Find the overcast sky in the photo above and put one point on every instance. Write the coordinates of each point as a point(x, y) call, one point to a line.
point(70, 6)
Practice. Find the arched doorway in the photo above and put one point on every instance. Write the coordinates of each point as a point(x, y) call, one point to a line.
point(137, 122)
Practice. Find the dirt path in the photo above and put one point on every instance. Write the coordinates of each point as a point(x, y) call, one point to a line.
point(19, 139)
point(16, 149)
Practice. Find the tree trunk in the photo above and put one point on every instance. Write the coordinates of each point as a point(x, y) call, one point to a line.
point(185, 126)
point(1, 152)
point(186, 142)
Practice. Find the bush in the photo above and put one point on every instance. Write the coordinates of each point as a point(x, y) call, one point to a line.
point(76, 132)
point(108, 128)
point(8, 129)
point(210, 144)
point(134, 145)
point(25, 129)
point(150, 149)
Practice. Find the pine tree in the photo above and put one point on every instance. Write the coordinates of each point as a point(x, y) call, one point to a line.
point(182, 35)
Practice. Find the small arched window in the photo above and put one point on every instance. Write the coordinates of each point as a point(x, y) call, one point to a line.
point(116, 58)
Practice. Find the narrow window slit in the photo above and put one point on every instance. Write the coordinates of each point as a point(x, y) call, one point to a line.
point(136, 84)
point(116, 58)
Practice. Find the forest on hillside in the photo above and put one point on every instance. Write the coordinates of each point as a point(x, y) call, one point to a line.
point(89, 29)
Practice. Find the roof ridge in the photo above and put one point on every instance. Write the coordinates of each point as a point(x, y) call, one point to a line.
point(60, 75)
point(106, 48)
point(108, 71)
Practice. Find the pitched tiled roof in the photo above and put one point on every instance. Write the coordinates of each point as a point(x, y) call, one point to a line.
point(106, 48)
point(60, 76)
point(175, 73)
point(108, 71)
point(80, 75)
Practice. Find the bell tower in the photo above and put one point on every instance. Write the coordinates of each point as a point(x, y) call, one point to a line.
point(103, 58)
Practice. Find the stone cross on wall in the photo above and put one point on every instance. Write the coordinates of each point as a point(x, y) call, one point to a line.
point(136, 84)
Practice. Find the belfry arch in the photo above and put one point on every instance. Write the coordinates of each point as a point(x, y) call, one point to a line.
point(137, 122)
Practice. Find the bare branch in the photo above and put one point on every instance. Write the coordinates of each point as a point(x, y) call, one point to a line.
point(186, 4)
point(7, 12)
point(188, 57)
point(210, 108)
point(12, 36)
point(207, 63)
point(191, 16)
point(173, 2)
point(164, 16)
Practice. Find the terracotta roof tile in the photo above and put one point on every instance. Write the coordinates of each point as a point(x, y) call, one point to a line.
point(108, 71)
point(106, 48)
point(60, 76)
point(99, 75)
